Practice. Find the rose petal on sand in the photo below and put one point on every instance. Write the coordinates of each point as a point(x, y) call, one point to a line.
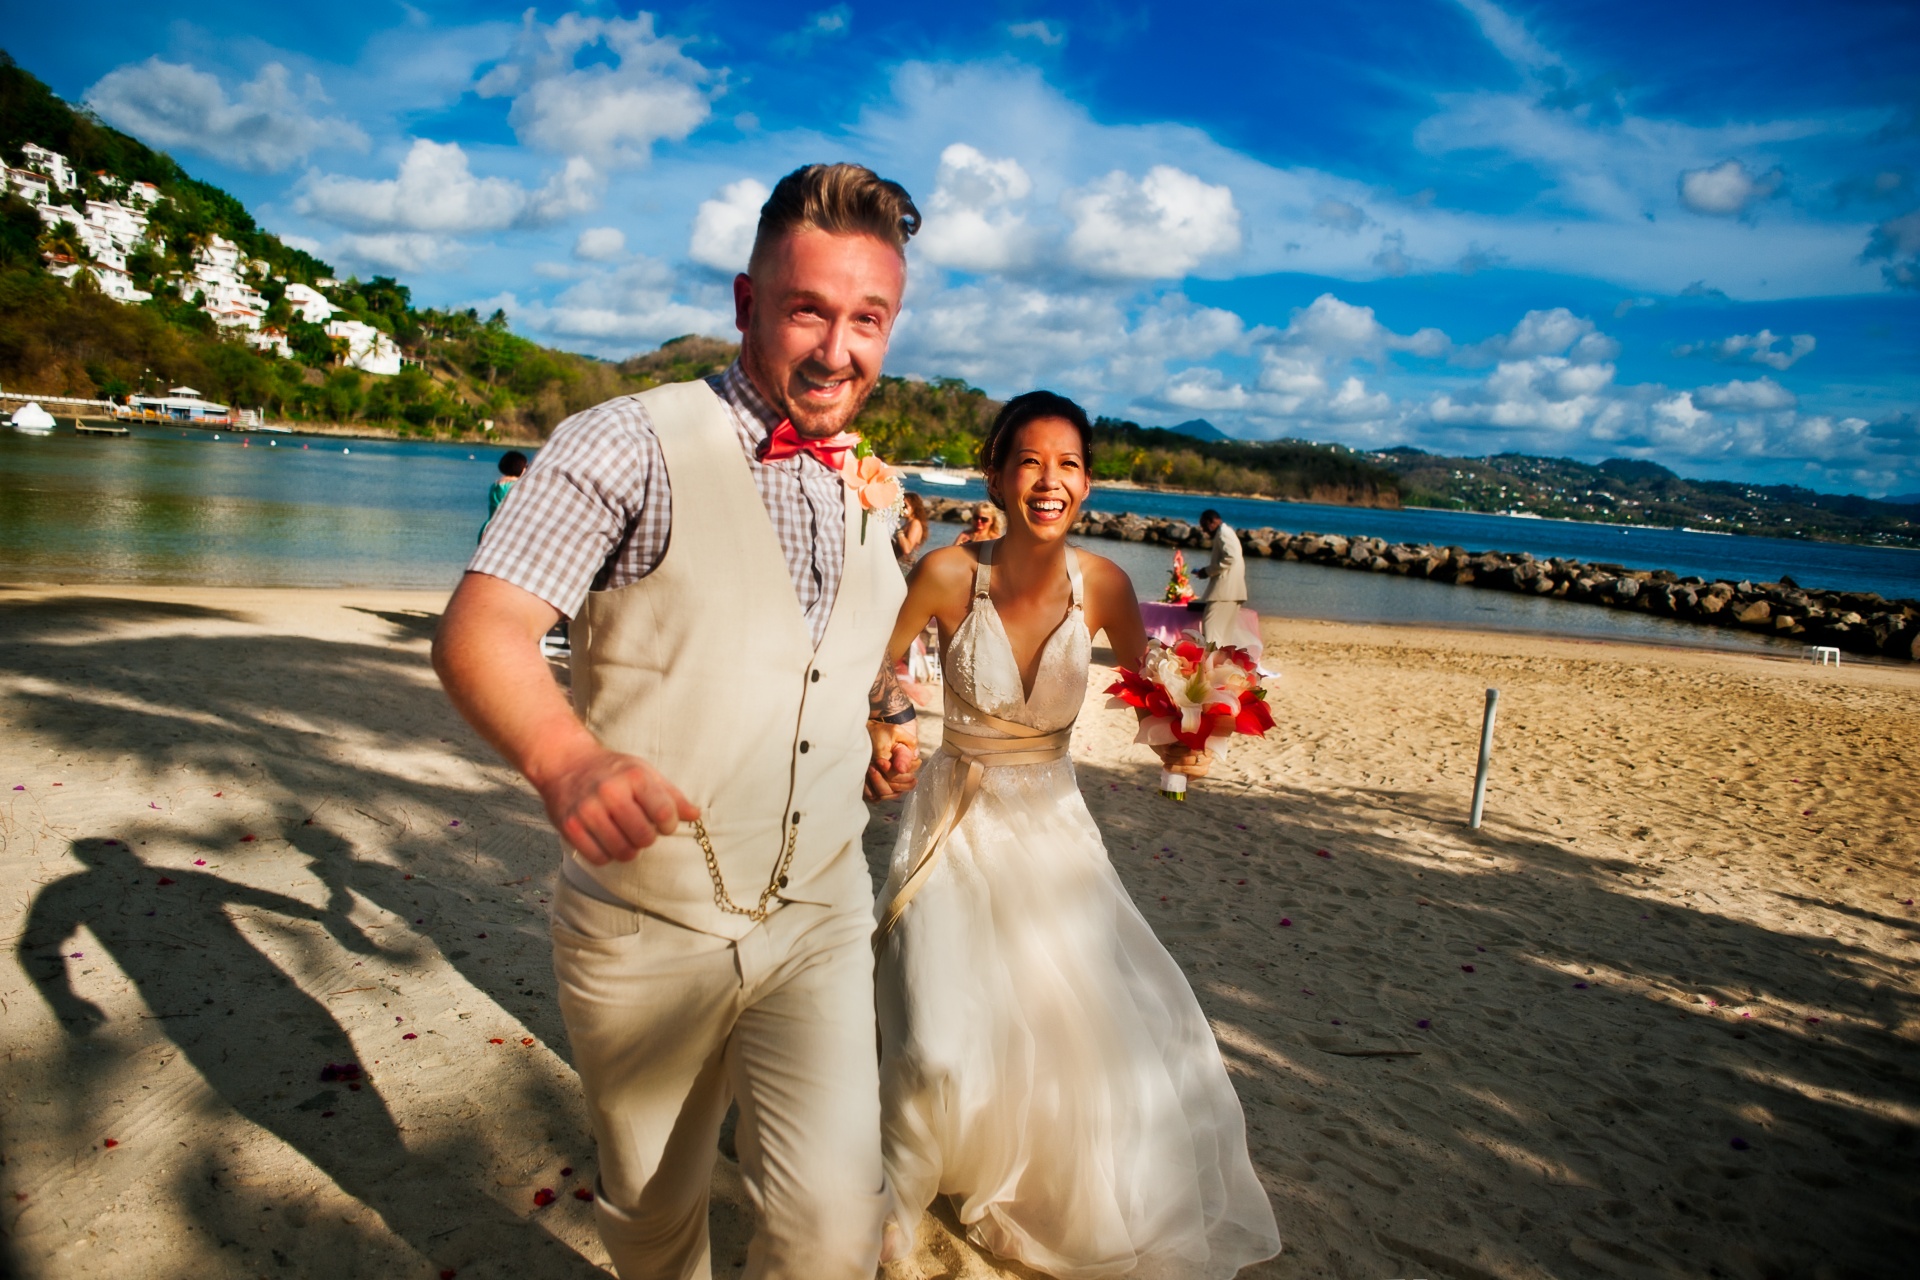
point(496, 1040)
point(454, 823)
point(448, 1273)
point(76, 955)
point(1466, 968)
point(199, 862)
point(1738, 1144)
point(1321, 853)
point(566, 1171)
point(111, 1142)
point(411, 1035)
point(20, 788)
point(1579, 986)
point(583, 1193)
point(1285, 923)
point(247, 839)
point(164, 880)
point(544, 1197)
point(526, 1040)
point(1424, 1023)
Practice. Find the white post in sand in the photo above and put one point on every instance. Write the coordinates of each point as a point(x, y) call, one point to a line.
point(1486, 758)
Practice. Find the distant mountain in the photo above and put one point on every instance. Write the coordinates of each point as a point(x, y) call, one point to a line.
point(1634, 491)
point(1199, 429)
point(1903, 499)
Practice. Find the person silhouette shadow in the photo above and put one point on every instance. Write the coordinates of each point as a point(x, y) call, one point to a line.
point(270, 1050)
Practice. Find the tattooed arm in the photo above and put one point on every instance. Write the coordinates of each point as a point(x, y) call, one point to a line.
point(892, 725)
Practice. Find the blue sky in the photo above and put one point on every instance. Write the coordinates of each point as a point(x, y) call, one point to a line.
point(1689, 232)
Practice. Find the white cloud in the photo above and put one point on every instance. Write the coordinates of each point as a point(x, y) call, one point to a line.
point(269, 124)
point(1046, 32)
point(1754, 348)
point(1340, 215)
point(1161, 226)
point(1759, 395)
point(723, 228)
point(825, 25)
point(1555, 332)
point(435, 191)
point(395, 250)
point(968, 226)
point(1898, 241)
point(619, 311)
point(1726, 190)
point(600, 244)
point(612, 112)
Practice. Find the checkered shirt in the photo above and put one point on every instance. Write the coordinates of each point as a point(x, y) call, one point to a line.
point(594, 511)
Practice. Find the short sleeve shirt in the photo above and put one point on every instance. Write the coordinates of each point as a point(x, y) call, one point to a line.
point(595, 510)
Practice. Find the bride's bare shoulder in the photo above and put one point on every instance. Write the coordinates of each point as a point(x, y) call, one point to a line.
point(943, 573)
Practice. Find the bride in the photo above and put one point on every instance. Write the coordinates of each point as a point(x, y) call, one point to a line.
point(1043, 1060)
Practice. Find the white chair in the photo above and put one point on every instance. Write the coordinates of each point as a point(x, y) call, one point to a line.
point(1825, 653)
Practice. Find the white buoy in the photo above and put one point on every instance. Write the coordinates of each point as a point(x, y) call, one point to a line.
point(1486, 758)
point(346, 451)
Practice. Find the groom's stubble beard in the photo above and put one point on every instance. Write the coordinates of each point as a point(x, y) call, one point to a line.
point(777, 385)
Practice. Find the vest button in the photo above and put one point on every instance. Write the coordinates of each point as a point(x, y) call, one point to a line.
point(796, 817)
point(815, 677)
point(804, 748)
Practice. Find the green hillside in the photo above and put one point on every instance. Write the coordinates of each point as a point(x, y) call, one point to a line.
point(74, 341)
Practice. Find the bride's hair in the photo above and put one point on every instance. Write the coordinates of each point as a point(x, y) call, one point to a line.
point(1021, 410)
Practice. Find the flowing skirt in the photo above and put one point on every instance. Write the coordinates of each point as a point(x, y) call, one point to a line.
point(1043, 1059)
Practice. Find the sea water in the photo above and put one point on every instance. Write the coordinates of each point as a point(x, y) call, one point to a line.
point(175, 505)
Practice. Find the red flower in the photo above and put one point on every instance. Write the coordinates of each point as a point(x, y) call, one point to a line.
point(544, 1197)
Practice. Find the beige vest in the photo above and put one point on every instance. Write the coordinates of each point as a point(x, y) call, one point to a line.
point(706, 669)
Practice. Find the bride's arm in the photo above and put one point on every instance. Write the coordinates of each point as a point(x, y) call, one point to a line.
point(891, 724)
point(1113, 607)
point(937, 587)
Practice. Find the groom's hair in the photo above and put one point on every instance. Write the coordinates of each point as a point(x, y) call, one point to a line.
point(840, 199)
point(1021, 410)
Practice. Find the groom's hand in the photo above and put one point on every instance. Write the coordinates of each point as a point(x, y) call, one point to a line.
point(609, 806)
point(896, 759)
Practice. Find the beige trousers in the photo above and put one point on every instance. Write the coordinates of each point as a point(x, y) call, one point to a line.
point(1220, 621)
point(669, 1025)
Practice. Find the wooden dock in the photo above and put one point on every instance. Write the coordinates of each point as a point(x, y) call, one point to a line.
point(99, 428)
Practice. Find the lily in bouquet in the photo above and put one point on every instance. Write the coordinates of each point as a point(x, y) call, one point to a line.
point(876, 484)
point(1196, 695)
point(1179, 586)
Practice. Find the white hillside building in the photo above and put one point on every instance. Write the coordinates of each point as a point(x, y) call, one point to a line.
point(309, 303)
point(35, 188)
point(368, 349)
point(51, 163)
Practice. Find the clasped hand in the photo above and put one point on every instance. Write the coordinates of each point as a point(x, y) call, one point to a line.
point(896, 759)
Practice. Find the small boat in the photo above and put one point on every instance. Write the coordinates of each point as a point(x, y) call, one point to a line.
point(945, 478)
point(32, 419)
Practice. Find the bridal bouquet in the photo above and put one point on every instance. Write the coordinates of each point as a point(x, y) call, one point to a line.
point(1196, 694)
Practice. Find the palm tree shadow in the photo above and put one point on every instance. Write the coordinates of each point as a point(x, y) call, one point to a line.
point(272, 1052)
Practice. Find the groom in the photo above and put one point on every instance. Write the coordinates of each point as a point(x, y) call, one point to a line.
point(712, 918)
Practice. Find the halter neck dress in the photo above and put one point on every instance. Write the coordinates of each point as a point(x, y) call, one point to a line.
point(1043, 1059)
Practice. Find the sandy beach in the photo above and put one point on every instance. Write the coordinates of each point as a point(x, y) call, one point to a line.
point(1658, 1017)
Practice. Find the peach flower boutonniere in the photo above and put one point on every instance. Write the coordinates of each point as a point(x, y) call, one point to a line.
point(876, 484)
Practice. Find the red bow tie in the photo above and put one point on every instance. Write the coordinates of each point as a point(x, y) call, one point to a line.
point(786, 441)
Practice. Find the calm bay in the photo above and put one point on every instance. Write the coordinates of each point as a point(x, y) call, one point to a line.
point(167, 505)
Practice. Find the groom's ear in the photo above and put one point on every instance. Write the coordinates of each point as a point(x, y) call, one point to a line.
point(742, 301)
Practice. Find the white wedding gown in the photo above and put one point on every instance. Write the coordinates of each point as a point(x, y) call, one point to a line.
point(1043, 1059)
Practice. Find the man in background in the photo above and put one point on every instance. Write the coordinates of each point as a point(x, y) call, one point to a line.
point(1226, 576)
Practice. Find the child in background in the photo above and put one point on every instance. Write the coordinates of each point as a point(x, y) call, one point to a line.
point(513, 465)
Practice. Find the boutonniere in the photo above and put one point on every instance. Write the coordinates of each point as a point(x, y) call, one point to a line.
point(876, 484)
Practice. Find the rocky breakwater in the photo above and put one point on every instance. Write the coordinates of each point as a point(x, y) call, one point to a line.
point(1858, 622)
